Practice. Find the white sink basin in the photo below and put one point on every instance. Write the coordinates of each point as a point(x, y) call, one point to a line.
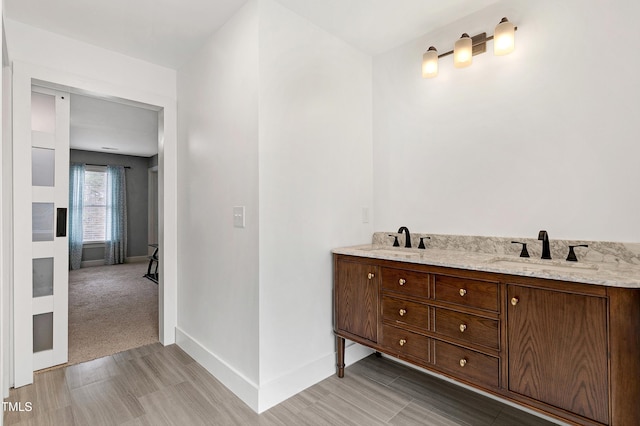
point(542, 265)
point(392, 252)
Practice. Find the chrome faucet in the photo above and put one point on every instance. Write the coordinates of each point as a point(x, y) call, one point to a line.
point(407, 241)
point(544, 237)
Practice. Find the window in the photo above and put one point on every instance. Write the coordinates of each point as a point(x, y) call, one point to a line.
point(94, 212)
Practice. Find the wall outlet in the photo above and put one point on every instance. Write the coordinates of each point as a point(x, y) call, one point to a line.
point(365, 215)
point(238, 217)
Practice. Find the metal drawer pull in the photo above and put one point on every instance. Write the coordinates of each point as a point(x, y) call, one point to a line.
point(370, 276)
point(462, 292)
point(514, 301)
point(402, 281)
point(402, 342)
point(402, 312)
point(463, 327)
point(463, 362)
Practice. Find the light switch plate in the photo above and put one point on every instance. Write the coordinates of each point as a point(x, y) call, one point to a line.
point(238, 216)
point(365, 215)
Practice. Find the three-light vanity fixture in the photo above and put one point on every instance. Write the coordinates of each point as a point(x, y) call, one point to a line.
point(467, 47)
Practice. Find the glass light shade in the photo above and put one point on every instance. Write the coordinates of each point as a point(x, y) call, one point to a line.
point(430, 63)
point(462, 52)
point(504, 38)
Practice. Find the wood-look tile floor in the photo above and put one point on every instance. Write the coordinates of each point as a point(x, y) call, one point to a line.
point(156, 385)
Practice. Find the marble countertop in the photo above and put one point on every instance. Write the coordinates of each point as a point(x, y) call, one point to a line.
point(612, 274)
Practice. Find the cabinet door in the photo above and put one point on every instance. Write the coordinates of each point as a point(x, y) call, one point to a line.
point(558, 349)
point(356, 295)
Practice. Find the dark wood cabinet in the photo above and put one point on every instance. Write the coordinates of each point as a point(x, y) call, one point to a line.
point(566, 349)
point(558, 349)
point(356, 299)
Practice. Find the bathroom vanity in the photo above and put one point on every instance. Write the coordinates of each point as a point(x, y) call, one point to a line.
point(569, 348)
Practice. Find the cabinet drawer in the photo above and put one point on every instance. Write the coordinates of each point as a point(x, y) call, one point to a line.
point(462, 291)
point(467, 364)
point(406, 282)
point(466, 327)
point(404, 342)
point(398, 311)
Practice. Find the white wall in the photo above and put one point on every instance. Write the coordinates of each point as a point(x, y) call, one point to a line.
point(275, 115)
point(315, 178)
point(6, 242)
point(545, 138)
point(37, 46)
point(218, 169)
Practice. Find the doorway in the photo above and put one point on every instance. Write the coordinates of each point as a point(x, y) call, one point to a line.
point(24, 77)
point(111, 307)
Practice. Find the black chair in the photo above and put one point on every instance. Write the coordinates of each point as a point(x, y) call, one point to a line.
point(152, 269)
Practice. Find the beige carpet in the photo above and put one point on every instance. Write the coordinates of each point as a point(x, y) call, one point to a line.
point(111, 309)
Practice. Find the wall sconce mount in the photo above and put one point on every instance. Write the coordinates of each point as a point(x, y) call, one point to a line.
point(466, 47)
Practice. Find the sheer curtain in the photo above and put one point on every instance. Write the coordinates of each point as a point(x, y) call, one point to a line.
point(115, 250)
point(76, 197)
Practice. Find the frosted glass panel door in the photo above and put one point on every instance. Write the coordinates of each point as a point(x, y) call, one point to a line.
point(41, 189)
point(43, 162)
point(43, 277)
point(42, 222)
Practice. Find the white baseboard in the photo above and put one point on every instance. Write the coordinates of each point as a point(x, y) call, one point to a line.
point(261, 398)
point(90, 263)
point(354, 352)
point(284, 387)
point(235, 381)
point(100, 262)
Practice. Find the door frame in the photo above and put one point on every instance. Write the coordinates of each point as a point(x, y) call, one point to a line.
point(24, 75)
point(152, 210)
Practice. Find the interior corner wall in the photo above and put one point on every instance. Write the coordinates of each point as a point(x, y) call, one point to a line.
point(315, 179)
point(543, 138)
point(218, 169)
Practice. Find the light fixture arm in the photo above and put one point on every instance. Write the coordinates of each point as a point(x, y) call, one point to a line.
point(478, 42)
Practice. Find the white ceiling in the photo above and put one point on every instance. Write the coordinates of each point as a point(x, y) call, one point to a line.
point(164, 32)
point(375, 26)
point(113, 127)
point(168, 32)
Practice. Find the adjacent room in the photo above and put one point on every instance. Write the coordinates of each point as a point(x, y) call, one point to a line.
point(113, 291)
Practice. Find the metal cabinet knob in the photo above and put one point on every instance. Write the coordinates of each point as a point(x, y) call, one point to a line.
point(514, 301)
point(402, 281)
point(370, 276)
point(463, 327)
point(463, 292)
point(402, 312)
point(402, 342)
point(463, 362)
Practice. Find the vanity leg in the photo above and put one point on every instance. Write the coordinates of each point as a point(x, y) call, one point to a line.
point(340, 345)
